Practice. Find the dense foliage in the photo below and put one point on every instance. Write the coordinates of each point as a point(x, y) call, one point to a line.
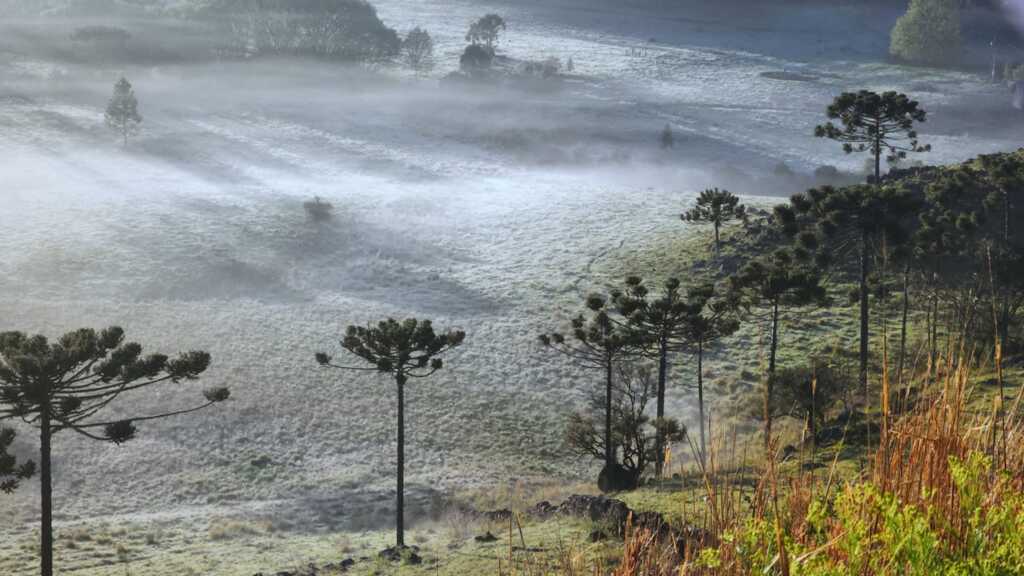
point(337, 29)
point(929, 33)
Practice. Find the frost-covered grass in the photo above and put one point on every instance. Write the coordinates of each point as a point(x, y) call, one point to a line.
point(489, 211)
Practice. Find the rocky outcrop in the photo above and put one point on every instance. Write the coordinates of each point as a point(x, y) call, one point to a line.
point(314, 570)
point(616, 518)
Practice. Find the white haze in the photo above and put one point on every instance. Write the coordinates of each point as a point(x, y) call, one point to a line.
point(491, 210)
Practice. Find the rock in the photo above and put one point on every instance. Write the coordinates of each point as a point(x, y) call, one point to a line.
point(542, 509)
point(788, 451)
point(407, 554)
point(342, 566)
point(615, 478)
point(597, 509)
point(496, 515)
point(487, 537)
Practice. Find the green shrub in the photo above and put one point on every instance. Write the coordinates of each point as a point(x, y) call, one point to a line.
point(929, 33)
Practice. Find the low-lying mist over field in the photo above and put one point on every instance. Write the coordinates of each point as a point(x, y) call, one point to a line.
point(487, 206)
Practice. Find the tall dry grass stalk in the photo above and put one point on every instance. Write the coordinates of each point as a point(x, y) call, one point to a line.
point(912, 463)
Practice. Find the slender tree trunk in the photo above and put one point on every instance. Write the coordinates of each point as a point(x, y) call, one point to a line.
point(700, 401)
point(718, 249)
point(864, 326)
point(878, 161)
point(996, 333)
point(903, 335)
point(659, 444)
point(400, 496)
point(933, 353)
point(883, 324)
point(770, 381)
point(1006, 218)
point(45, 493)
point(811, 424)
point(609, 450)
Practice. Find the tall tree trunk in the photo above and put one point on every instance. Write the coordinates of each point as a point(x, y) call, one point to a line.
point(883, 324)
point(864, 327)
point(718, 250)
point(812, 426)
point(400, 496)
point(769, 388)
point(700, 400)
point(659, 443)
point(933, 353)
point(878, 162)
point(996, 333)
point(609, 450)
point(45, 493)
point(903, 332)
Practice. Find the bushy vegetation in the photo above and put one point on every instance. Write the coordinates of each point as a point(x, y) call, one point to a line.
point(318, 209)
point(336, 29)
point(929, 33)
point(942, 495)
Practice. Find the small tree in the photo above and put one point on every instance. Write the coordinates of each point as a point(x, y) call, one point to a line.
point(12, 473)
point(599, 343)
point(766, 287)
point(64, 385)
point(877, 123)
point(476, 60)
point(668, 140)
point(318, 209)
point(486, 31)
point(659, 323)
point(122, 114)
point(711, 318)
point(808, 392)
point(716, 207)
point(631, 427)
point(570, 65)
point(418, 48)
point(929, 33)
point(402, 350)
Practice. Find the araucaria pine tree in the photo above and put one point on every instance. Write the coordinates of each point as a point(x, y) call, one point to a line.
point(712, 317)
point(63, 386)
point(122, 113)
point(659, 323)
point(766, 288)
point(715, 207)
point(850, 226)
point(402, 350)
point(875, 123)
point(599, 343)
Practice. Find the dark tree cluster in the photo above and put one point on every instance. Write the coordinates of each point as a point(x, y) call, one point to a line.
point(337, 29)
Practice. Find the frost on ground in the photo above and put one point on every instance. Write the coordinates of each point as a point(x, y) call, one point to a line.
point(483, 210)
